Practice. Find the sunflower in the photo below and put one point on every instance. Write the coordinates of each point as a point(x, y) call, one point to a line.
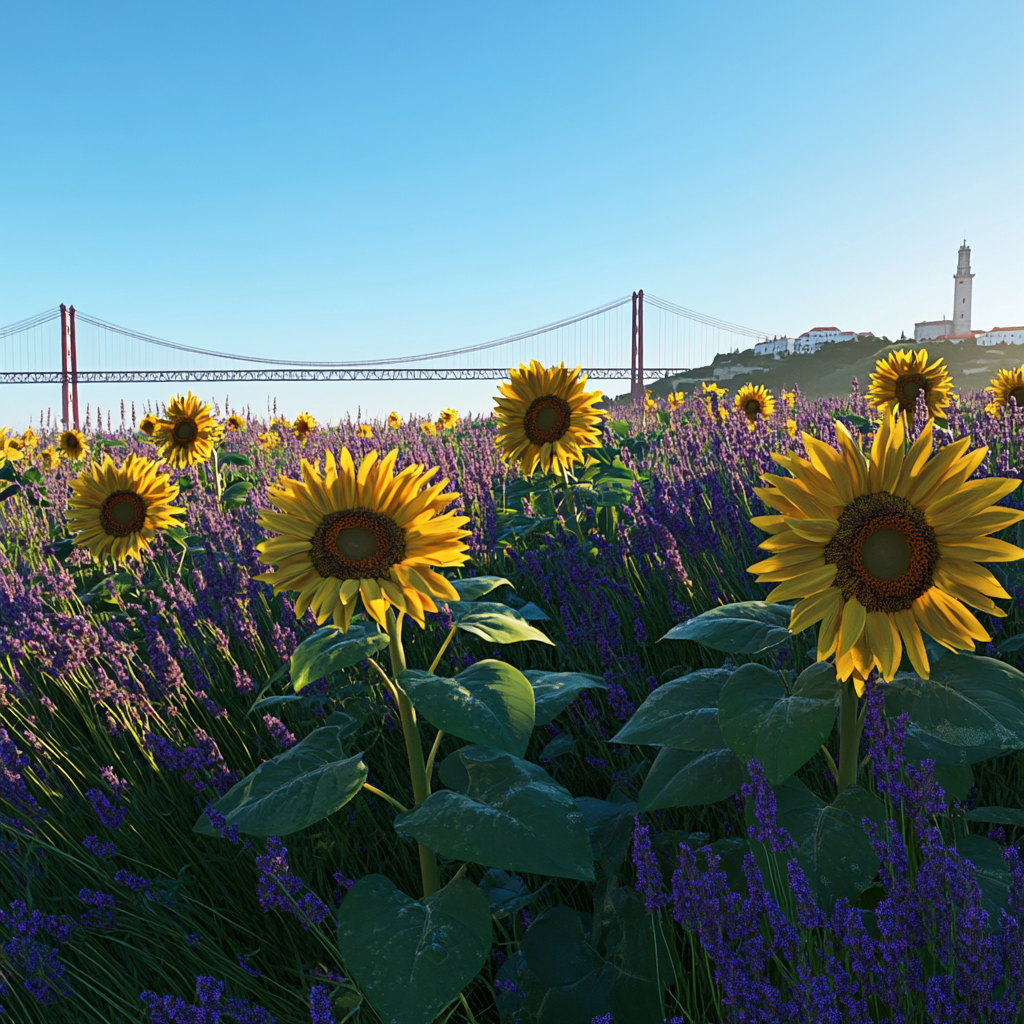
point(235, 423)
point(280, 423)
point(72, 445)
point(675, 399)
point(754, 400)
point(148, 425)
point(546, 417)
point(448, 419)
point(50, 457)
point(118, 512)
point(902, 376)
point(303, 426)
point(30, 440)
point(364, 430)
point(364, 533)
point(269, 441)
point(881, 550)
point(1008, 384)
point(650, 402)
point(394, 420)
point(428, 428)
point(716, 411)
point(187, 433)
point(8, 451)
point(791, 428)
point(713, 389)
point(789, 397)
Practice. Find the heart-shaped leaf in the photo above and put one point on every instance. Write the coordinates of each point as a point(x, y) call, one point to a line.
point(682, 713)
point(495, 622)
point(746, 627)
point(997, 815)
point(553, 692)
point(782, 731)
point(329, 649)
point(233, 459)
point(412, 958)
point(476, 586)
point(489, 703)
point(610, 827)
point(502, 812)
point(505, 894)
point(293, 790)
point(832, 847)
point(971, 709)
point(688, 778)
point(991, 873)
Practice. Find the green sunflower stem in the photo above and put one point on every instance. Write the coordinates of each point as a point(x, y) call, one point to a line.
point(849, 737)
point(429, 873)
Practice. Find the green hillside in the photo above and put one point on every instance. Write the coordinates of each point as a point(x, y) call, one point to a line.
point(829, 370)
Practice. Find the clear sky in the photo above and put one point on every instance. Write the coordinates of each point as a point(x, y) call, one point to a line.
point(334, 179)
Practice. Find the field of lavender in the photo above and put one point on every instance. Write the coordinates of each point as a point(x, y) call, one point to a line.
point(657, 837)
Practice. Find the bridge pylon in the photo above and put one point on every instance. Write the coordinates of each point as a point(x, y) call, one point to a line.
point(636, 363)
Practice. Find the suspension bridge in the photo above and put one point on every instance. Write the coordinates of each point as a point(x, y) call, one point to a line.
point(71, 348)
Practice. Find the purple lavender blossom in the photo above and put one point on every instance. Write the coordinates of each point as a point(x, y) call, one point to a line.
point(320, 1005)
point(766, 829)
point(278, 888)
point(648, 874)
point(279, 731)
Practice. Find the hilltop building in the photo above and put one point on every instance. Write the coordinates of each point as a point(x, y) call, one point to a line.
point(1000, 336)
point(959, 326)
point(808, 342)
point(777, 347)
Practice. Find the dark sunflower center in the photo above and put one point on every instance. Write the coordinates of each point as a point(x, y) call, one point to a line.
point(357, 544)
point(752, 408)
point(185, 430)
point(884, 552)
point(547, 419)
point(123, 512)
point(1017, 394)
point(908, 388)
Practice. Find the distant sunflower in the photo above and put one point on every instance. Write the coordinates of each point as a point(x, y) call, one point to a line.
point(364, 430)
point(72, 445)
point(9, 452)
point(448, 419)
point(1008, 384)
point(148, 425)
point(789, 397)
point(280, 423)
point(303, 425)
point(754, 400)
point(50, 457)
point(675, 399)
point(362, 533)
point(650, 402)
point(394, 420)
point(902, 376)
point(269, 441)
point(708, 388)
point(29, 440)
point(718, 412)
point(882, 550)
point(187, 433)
point(235, 423)
point(117, 512)
point(428, 428)
point(791, 428)
point(546, 418)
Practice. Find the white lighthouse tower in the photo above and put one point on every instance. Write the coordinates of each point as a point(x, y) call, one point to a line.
point(963, 279)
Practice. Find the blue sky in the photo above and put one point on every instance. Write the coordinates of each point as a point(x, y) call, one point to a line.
point(337, 178)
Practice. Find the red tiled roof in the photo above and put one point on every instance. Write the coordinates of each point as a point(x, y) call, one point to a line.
point(994, 329)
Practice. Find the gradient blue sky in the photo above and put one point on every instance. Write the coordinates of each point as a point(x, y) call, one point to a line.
point(343, 178)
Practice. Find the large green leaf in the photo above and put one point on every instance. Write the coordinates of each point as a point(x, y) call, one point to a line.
point(990, 872)
point(502, 812)
point(293, 790)
point(495, 622)
point(553, 692)
point(832, 847)
point(505, 893)
point(476, 586)
point(682, 713)
point(782, 731)
point(688, 778)
point(567, 976)
point(329, 649)
point(489, 703)
point(1009, 644)
point(997, 815)
point(610, 827)
point(747, 627)
point(971, 709)
point(412, 958)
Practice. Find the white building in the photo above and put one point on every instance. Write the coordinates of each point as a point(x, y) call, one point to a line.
point(777, 347)
point(812, 340)
point(1001, 336)
point(960, 324)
